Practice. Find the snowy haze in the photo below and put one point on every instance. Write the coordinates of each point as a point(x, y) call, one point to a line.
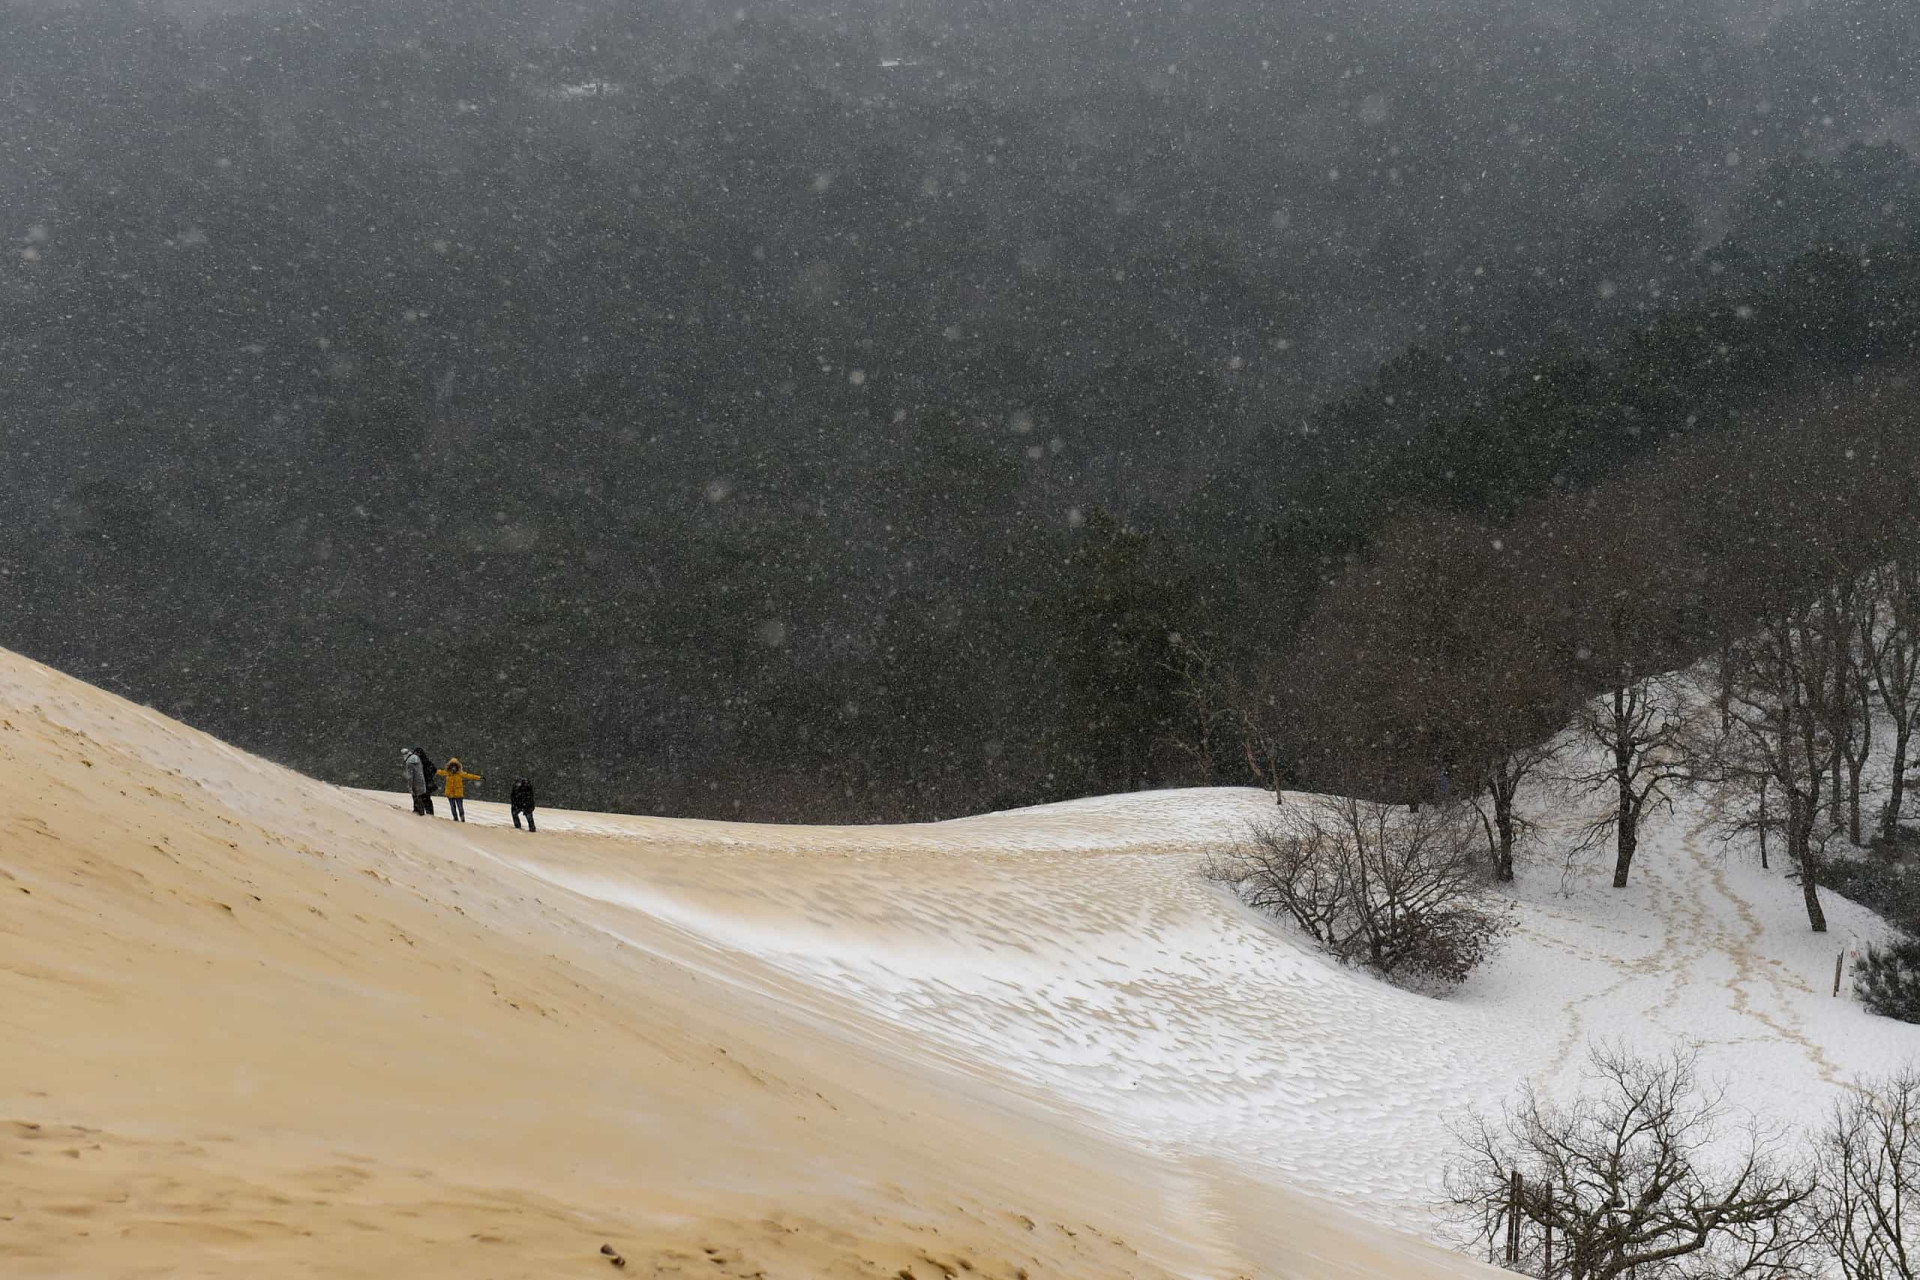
point(764, 367)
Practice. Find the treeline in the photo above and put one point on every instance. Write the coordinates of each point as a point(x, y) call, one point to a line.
point(1781, 553)
point(698, 416)
point(1492, 561)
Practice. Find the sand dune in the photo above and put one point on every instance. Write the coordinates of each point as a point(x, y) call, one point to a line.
point(257, 1025)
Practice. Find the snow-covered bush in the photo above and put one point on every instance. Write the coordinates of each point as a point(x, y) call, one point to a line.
point(1402, 892)
point(1888, 980)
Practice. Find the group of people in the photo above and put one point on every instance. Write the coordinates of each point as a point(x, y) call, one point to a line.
point(421, 772)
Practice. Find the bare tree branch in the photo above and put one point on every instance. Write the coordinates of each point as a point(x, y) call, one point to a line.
point(1867, 1209)
point(1635, 1178)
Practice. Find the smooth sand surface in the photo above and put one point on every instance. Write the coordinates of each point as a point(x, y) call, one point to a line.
point(255, 1025)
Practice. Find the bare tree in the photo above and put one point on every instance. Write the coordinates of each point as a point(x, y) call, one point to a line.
point(1224, 714)
point(1759, 818)
point(1427, 662)
point(1202, 725)
point(1506, 827)
point(1398, 891)
point(1258, 747)
point(1846, 608)
point(1867, 1207)
point(1630, 577)
point(1786, 698)
point(1889, 634)
point(1619, 1184)
point(1253, 701)
point(1647, 750)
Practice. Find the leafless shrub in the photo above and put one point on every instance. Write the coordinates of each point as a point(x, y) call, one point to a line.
point(1402, 892)
point(1636, 1178)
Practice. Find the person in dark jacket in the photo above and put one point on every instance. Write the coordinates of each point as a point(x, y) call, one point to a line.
point(428, 769)
point(521, 801)
point(416, 779)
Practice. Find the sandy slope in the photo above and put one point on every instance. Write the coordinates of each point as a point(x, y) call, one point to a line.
point(254, 1025)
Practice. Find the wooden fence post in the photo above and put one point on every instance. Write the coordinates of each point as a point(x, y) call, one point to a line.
point(1838, 961)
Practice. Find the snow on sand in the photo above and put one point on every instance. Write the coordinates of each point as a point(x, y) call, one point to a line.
point(1075, 952)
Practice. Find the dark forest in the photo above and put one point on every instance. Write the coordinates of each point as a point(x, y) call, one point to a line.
point(895, 411)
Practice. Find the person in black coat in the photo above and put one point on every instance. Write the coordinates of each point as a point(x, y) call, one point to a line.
point(520, 800)
point(427, 768)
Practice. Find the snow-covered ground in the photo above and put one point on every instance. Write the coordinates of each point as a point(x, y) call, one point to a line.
point(1076, 950)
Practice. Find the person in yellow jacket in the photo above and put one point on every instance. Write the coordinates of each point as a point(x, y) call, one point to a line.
point(457, 780)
